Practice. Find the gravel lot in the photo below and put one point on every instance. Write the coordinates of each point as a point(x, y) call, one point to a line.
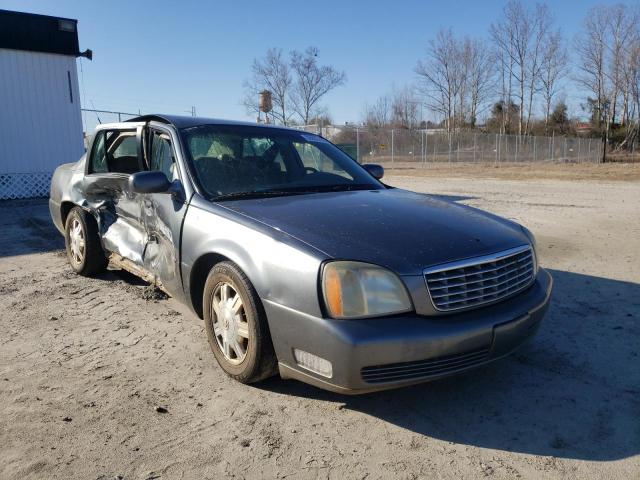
point(99, 379)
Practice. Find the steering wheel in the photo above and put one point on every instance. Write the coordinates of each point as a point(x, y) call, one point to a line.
point(310, 170)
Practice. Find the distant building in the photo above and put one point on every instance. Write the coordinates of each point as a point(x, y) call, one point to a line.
point(40, 116)
point(583, 128)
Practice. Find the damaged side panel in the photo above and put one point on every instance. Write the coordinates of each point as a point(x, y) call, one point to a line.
point(162, 217)
point(162, 214)
point(124, 240)
point(118, 213)
point(140, 231)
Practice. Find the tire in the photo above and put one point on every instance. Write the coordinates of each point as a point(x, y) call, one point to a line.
point(85, 253)
point(225, 325)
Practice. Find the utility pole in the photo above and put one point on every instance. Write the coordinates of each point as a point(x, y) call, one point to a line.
point(392, 150)
point(605, 137)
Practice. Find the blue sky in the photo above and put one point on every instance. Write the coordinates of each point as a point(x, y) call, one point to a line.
point(166, 56)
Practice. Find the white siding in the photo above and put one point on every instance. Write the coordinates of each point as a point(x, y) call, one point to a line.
point(40, 127)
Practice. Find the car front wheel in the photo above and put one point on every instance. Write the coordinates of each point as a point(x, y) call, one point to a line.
point(236, 325)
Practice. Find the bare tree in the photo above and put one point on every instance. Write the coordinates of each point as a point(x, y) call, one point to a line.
point(505, 65)
point(378, 114)
point(405, 108)
point(399, 109)
point(553, 69)
point(270, 73)
point(441, 76)
point(623, 31)
point(511, 36)
point(457, 78)
point(621, 23)
point(634, 81)
point(312, 82)
point(591, 45)
point(479, 63)
point(630, 84)
point(519, 37)
point(607, 66)
point(541, 31)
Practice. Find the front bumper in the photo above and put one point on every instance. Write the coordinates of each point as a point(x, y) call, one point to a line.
point(381, 353)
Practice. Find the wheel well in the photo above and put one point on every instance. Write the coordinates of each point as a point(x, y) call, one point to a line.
point(65, 208)
point(198, 278)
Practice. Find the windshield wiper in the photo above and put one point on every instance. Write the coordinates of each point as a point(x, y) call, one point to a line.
point(297, 190)
point(254, 194)
point(340, 187)
point(349, 187)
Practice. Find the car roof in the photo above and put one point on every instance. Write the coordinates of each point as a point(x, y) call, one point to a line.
point(181, 121)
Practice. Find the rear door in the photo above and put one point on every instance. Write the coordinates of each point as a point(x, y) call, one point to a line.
point(163, 213)
point(116, 153)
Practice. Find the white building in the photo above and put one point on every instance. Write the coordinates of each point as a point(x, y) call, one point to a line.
point(40, 118)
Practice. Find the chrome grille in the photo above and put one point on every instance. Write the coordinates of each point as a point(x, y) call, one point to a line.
point(477, 281)
point(423, 369)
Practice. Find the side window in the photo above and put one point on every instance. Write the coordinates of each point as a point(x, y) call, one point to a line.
point(122, 153)
point(98, 159)
point(256, 146)
point(115, 152)
point(279, 162)
point(162, 155)
point(127, 148)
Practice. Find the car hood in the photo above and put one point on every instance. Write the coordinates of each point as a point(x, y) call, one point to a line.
point(398, 229)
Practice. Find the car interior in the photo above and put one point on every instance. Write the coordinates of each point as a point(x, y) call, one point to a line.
point(122, 156)
point(235, 163)
point(115, 152)
point(232, 164)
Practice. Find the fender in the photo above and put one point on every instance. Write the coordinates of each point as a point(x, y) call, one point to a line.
point(264, 254)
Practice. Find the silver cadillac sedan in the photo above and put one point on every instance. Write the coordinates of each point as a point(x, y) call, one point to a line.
point(299, 260)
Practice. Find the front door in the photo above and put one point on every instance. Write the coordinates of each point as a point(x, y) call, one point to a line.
point(162, 213)
point(116, 154)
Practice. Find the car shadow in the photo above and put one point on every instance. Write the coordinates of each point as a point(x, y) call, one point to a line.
point(26, 227)
point(117, 274)
point(571, 392)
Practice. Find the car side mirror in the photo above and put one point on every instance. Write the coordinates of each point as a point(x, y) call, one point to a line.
point(149, 182)
point(375, 170)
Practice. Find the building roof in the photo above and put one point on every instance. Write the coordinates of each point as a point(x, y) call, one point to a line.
point(38, 33)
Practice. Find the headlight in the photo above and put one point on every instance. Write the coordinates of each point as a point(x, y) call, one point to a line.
point(356, 289)
point(532, 240)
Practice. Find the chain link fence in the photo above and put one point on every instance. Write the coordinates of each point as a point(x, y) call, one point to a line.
point(414, 147)
point(427, 147)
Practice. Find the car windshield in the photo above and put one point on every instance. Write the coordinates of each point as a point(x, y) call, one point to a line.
point(241, 161)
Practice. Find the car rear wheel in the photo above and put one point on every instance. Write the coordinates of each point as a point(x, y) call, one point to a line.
point(236, 325)
point(84, 251)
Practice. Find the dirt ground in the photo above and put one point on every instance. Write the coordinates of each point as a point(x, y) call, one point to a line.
point(99, 380)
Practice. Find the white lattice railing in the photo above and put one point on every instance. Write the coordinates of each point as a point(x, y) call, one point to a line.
point(24, 185)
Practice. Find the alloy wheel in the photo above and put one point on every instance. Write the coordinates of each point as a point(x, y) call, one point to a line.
point(230, 325)
point(77, 241)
